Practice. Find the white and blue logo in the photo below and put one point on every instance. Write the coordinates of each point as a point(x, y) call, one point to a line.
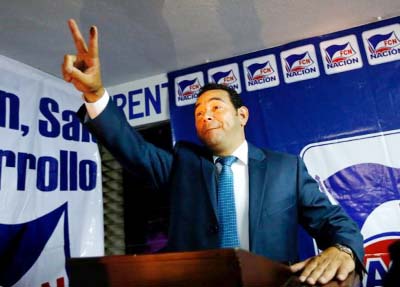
point(382, 45)
point(226, 75)
point(299, 64)
point(26, 247)
point(358, 174)
point(341, 55)
point(261, 73)
point(187, 88)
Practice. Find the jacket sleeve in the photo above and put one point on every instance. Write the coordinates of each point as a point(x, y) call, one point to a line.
point(137, 155)
point(327, 223)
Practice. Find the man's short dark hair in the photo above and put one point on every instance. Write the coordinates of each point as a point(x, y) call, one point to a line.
point(233, 95)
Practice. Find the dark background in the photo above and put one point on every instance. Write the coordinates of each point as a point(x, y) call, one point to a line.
point(146, 210)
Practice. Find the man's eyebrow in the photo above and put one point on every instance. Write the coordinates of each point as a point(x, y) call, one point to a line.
point(209, 100)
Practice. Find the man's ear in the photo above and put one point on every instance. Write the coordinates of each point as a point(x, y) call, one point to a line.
point(243, 113)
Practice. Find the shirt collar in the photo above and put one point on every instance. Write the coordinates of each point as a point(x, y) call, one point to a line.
point(241, 153)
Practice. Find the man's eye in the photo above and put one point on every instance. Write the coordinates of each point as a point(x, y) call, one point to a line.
point(198, 114)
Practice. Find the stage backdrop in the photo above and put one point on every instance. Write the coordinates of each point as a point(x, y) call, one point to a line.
point(50, 179)
point(335, 101)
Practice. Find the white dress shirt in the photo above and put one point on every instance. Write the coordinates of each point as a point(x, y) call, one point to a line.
point(95, 109)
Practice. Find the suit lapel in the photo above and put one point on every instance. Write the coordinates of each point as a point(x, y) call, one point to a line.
point(208, 171)
point(258, 178)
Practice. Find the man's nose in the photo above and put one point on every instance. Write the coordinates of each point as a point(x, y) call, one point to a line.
point(208, 116)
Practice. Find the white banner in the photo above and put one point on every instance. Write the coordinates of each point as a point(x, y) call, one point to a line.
point(143, 101)
point(50, 179)
point(362, 174)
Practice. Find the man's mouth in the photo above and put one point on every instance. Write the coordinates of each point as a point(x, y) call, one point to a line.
point(210, 129)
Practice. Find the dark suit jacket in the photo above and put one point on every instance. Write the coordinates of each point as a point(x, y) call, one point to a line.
point(282, 194)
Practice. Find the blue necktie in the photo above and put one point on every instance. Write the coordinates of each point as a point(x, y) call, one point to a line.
point(226, 204)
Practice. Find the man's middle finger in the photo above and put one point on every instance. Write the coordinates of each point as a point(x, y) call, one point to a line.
point(313, 267)
point(321, 273)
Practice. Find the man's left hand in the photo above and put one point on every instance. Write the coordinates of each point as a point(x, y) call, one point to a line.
point(331, 263)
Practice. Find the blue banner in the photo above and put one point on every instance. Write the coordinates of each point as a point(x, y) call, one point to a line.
point(335, 101)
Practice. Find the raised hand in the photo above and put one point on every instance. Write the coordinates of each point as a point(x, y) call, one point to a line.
point(331, 263)
point(83, 69)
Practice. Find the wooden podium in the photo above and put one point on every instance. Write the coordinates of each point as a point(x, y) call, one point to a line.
point(223, 267)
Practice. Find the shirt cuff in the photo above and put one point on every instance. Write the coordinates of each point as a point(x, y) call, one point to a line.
point(96, 108)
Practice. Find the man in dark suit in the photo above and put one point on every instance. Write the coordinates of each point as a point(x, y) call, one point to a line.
point(273, 192)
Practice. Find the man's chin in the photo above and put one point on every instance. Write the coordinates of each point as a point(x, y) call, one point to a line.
point(212, 143)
